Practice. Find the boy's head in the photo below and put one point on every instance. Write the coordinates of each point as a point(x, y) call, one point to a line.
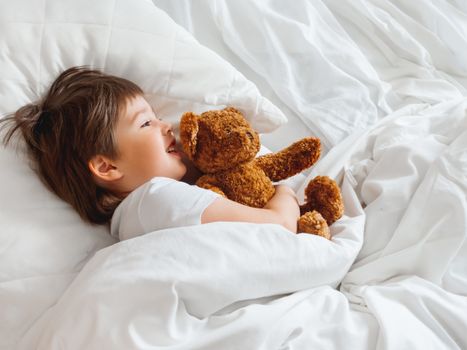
point(83, 139)
point(146, 148)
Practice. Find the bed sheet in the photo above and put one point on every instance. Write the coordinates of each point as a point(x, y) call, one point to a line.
point(336, 67)
point(198, 19)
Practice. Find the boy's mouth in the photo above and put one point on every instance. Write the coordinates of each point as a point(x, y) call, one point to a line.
point(172, 147)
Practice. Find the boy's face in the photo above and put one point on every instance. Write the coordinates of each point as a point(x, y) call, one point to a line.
point(146, 145)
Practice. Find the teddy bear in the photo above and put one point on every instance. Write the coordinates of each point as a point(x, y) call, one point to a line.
point(223, 146)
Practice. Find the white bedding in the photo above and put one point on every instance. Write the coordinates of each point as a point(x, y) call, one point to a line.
point(383, 83)
point(336, 66)
point(245, 286)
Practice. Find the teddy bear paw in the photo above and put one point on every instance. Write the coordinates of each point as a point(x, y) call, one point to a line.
point(312, 222)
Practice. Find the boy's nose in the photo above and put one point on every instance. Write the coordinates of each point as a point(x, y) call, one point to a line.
point(168, 129)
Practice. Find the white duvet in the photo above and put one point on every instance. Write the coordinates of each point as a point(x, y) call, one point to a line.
point(245, 286)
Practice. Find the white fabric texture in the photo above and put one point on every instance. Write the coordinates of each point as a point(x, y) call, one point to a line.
point(337, 66)
point(43, 242)
point(159, 204)
point(189, 285)
point(381, 82)
point(248, 286)
point(341, 66)
point(135, 40)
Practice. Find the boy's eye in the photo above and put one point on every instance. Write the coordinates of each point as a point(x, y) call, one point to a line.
point(146, 123)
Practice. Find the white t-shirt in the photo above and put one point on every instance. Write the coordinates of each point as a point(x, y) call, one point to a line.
point(158, 204)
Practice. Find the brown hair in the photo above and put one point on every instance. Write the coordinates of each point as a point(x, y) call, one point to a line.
point(73, 122)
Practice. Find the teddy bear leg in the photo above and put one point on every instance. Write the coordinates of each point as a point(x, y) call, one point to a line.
point(209, 182)
point(312, 222)
point(324, 195)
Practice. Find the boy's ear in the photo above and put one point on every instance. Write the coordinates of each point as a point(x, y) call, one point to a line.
point(104, 168)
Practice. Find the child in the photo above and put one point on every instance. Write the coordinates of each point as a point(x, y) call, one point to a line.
point(99, 146)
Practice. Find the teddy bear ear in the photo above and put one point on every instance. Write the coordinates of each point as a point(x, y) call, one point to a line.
point(189, 133)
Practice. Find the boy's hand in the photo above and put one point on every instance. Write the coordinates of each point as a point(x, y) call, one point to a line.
point(284, 203)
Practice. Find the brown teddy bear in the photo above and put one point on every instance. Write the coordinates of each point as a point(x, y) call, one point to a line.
point(223, 146)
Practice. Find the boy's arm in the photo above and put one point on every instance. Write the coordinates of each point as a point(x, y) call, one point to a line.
point(282, 209)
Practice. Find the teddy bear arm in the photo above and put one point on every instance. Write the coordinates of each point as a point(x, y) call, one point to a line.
point(210, 182)
point(291, 160)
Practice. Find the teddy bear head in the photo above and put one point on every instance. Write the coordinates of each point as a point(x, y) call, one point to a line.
point(218, 140)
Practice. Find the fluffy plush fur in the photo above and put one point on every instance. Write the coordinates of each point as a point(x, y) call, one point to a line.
point(223, 146)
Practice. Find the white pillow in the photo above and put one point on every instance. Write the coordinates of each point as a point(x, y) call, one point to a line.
point(133, 39)
point(43, 242)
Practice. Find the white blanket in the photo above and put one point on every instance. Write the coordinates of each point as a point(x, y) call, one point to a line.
point(411, 274)
point(245, 286)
